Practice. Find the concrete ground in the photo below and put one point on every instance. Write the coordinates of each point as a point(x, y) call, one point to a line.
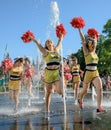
point(63, 115)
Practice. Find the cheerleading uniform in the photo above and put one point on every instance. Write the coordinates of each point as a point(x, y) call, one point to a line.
point(52, 75)
point(15, 78)
point(91, 60)
point(75, 73)
point(28, 73)
point(67, 74)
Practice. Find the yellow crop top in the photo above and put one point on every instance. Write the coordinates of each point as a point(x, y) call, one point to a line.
point(91, 58)
point(75, 68)
point(15, 73)
point(52, 57)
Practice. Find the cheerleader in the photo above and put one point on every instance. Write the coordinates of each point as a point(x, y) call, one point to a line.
point(75, 69)
point(27, 77)
point(14, 85)
point(91, 73)
point(67, 73)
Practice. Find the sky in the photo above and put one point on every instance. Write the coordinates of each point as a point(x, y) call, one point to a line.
point(41, 17)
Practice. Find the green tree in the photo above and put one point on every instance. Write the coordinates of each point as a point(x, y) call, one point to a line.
point(107, 29)
point(105, 55)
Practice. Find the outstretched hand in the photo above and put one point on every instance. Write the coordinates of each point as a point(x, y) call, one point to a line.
point(31, 37)
point(95, 38)
point(61, 35)
point(27, 36)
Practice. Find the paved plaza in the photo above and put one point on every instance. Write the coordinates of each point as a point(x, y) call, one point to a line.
point(63, 115)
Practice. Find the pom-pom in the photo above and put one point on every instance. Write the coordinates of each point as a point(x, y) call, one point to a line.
point(92, 32)
point(25, 37)
point(29, 71)
point(7, 64)
point(68, 76)
point(66, 69)
point(60, 30)
point(77, 22)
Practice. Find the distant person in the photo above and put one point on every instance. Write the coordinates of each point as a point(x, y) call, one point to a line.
point(14, 85)
point(65, 68)
point(75, 69)
point(27, 77)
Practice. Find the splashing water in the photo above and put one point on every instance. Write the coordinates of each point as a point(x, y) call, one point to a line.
point(54, 21)
point(55, 14)
point(93, 93)
point(54, 17)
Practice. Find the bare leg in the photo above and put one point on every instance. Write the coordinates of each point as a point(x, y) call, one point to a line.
point(16, 99)
point(29, 85)
point(73, 86)
point(48, 100)
point(11, 94)
point(76, 90)
point(48, 96)
point(59, 86)
point(84, 91)
point(48, 93)
point(97, 83)
point(82, 94)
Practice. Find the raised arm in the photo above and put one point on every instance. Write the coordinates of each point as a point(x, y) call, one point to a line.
point(95, 42)
point(81, 35)
point(41, 48)
point(85, 50)
point(58, 46)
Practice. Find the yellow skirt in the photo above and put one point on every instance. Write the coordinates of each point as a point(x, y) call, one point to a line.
point(90, 75)
point(76, 78)
point(14, 85)
point(51, 76)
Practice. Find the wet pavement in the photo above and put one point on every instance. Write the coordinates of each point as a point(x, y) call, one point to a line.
point(32, 118)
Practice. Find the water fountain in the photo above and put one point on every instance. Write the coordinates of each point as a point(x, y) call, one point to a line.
point(93, 93)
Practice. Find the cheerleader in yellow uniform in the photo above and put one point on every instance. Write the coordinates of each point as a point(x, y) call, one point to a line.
point(91, 73)
point(75, 69)
point(15, 81)
point(52, 80)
